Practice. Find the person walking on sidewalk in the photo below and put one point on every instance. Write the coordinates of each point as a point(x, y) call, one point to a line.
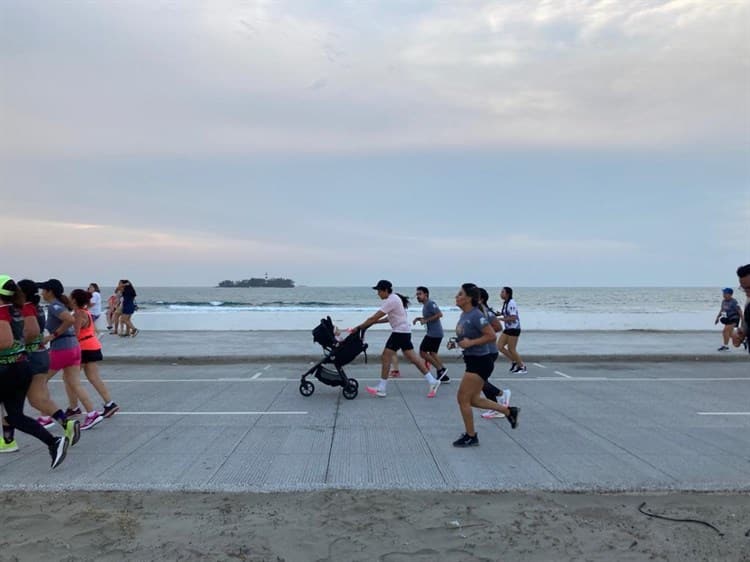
point(508, 340)
point(475, 336)
point(393, 311)
point(15, 374)
point(91, 354)
point(428, 349)
point(742, 333)
point(128, 308)
point(729, 315)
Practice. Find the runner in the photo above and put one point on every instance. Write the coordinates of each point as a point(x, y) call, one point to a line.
point(475, 336)
point(741, 335)
point(729, 315)
point(490, 391)
point(91, 354)
point(428, 349)
point(15, 373)
point(508, 340)
point(393, 311)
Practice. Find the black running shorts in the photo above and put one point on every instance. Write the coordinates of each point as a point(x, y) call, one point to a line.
point(430, 344)
point(399, 340)
point(91, 356)
point(514, 332)
point(481, 365)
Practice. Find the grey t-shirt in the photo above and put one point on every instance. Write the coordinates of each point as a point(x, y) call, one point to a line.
point(434, 328)
point(470, 325)
point(67, 339)
point(730, 307)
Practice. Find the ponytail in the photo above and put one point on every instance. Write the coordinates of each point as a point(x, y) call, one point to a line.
point(404, 300)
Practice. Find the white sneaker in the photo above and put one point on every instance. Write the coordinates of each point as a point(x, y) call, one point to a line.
point(433, 389)
point(490, 414)
point(504, 399)
point(375, 391)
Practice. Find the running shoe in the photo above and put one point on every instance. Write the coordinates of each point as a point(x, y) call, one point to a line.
point(58, 451)
point(70, 412)
point(394, 374)
point(520, 370)
point(374, 391)
point(512, 367)
point(92, 419)
point(433, 389)
point(723, 348)
point(135, 333)
point(467, 440)
point(491, 414)
point(442, 376)
point(46, 422)
point(505, 397)
point(513, 416)
point(110, 410)
point(6, 447)
point(73, 431)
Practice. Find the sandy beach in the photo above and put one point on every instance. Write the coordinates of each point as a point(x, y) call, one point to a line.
point(363, 526)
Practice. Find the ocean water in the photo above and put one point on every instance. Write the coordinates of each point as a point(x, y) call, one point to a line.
point(541, 308)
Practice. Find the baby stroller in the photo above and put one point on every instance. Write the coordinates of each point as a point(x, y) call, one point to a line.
point(338, 354)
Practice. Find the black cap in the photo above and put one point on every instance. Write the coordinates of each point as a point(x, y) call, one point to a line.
point(52, 285)
point(383, 285)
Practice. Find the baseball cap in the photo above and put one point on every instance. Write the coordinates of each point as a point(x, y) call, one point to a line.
point(52, 285)
point(383, 285)
point(3, 280)
point(727, 290)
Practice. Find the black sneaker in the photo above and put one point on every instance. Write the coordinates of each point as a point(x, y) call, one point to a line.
point(110, 410)
point(513, 416)
point(442, 377)
point(512, 367)
point(58, 451)
point(70, 412)
point(466, 441)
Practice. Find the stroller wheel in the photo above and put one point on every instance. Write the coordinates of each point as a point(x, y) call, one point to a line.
point(306, 388)
point(351, 390)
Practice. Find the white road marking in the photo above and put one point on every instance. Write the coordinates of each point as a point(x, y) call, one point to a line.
point(563, 374)
point(255, 376)
point(121, 413)
point(266, 367)
point(724, 413)
point(405, 379)
point(540, 365)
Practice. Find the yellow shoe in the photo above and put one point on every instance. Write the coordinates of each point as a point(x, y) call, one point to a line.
point(11, 447)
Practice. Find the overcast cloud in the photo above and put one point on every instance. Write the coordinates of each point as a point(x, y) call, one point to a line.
point(522, 143)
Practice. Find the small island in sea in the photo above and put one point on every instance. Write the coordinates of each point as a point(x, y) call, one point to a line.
point(259, 282)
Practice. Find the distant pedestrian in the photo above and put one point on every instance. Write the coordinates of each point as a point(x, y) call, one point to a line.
point(114, 310)
point(128, 308)
point(508, 340)
point(742, 333)
point(393, 311)
point(15, 373)
point(95, 307)
point(729, 315)
point(428, 349)
point(475, 336)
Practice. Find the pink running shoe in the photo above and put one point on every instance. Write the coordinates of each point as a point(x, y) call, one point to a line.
point(375, 391)
point(46, 422)
point(92, 418)
point(394, 374)
point(433, 390)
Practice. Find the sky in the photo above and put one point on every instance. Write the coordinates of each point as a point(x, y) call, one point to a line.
point(520, 143)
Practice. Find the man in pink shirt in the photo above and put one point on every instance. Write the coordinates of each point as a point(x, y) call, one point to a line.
point(393, 311)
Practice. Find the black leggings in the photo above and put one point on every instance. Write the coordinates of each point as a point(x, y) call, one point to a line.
point(491, 392)
point(14, 384)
